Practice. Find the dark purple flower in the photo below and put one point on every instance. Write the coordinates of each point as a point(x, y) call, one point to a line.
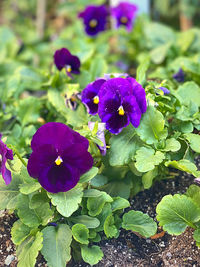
point(64, 59)
point(94, 18)
point(179, 76)
point(125, 14)
point(100, 135)
point(5, 153)
point(165, 90)
point(121, 101)
point(90, 96)
point(59, 157)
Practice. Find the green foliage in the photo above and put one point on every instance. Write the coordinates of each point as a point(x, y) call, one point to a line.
point(176, 213)
point(28, 250)
point(56, 245)
point(67, 202)
point(80, 233)
point(91, 255)
point(147, 159)
point(151, 128)
point(139, 222)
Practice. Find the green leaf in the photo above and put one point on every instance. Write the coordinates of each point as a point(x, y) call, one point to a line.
point(33, 217)
point(91, 255)
point(159, 53)
point(139, 222)
point(99, 180)
point(123, 146)
point(67, 202)
point(151, 128)
point(88, 221)
point(57, 101)
point(183, 165)
point(56, 245)
point(28, 250)
point(19, 232)
point(147, 178)
point(109, 227)
point(177, 212)
point(38, 199)
point(106, 211)
point(194, 192)
point(78, 117)
point(119, 203)
point(141, 71)
point(189, 92)
point(194, 140)
point(196, 235)
point(28, 188)
point(9, 193)
point(95, 205)
point(172, 145)
point(98, 67)
point(89, 175)
point(80, 233)
point(92, 193)
point(147, 159)
point(28, 110)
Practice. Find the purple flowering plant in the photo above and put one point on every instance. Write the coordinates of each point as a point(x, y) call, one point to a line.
point(83, 146)
point(124, 14)
point(94, 19)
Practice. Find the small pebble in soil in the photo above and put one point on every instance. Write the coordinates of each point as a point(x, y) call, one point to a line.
point(9, 259)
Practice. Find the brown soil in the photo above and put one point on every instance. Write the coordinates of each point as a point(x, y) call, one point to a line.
point(128, 249)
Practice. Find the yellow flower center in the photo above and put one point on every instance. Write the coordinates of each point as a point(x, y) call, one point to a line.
point(58, 161)
point(123, 19)
point(121, 111)
point(68, 68)
point(93, 23)
point(96, 100)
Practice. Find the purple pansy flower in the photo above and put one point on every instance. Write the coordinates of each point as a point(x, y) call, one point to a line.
point(64, 59)
point(125, 14)
point(100, 135)
point(179, 76)
point(6, 154)
point(90, 96)
point(165, 90)
point(94, 18)
point(121, 101)
point(59, 157)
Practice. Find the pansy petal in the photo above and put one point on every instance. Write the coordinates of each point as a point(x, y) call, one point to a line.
point(132, 108)
point(59, 178)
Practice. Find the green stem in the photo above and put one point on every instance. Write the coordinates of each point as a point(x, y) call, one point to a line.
point(20, 158)
point(18, 155)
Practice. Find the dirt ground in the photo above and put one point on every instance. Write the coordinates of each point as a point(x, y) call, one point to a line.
point(129, 250)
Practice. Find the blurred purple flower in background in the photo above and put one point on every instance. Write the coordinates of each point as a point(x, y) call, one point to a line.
point(125, 14)
point(64, 59)
point(5, 154)
point(165, 90)
point(121, 101)
point(90, 96)
point(179, 76)
point(59, 157)
point(100, 135)
point(95, 19)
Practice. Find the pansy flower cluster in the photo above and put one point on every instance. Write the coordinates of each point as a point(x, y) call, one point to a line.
point(118, 102)
point(95, 17)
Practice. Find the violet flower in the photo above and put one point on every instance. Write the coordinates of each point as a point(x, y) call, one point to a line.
point(125, 14)
point(165, 90)
point(121, 101)
point(59, 157)
point(179, 76)
point(95, 19)
point(90, 96)
point(100, 135)
point(64, 59)
point(6, 154)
